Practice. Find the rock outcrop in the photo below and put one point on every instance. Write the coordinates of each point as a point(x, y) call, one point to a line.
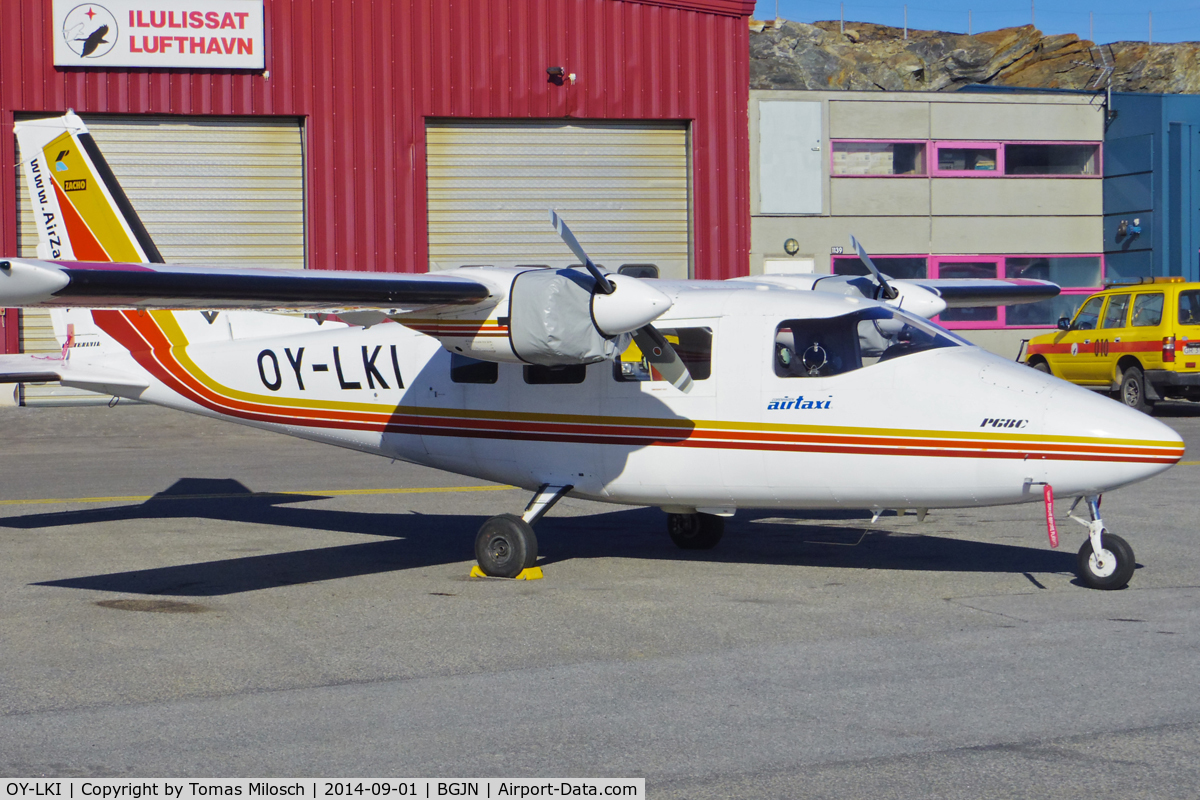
point(795, 55)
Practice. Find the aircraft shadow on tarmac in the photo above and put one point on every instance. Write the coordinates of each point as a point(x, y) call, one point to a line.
point(416, 541)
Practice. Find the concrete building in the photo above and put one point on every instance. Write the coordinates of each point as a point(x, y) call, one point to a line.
point(934, 185)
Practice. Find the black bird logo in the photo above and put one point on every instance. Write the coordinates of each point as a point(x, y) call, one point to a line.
point(94, 40)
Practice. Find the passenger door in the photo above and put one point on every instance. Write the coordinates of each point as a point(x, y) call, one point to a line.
point(1072, 358)
point(1106, 347)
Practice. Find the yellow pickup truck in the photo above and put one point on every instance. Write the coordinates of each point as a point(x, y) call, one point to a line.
point(1140, 341)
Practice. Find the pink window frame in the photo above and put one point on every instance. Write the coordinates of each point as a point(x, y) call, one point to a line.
point(1001, 171)
point(883, 257)
point(937, 145)
point(1099, 161)
point(1000, 323)
point(833, 143)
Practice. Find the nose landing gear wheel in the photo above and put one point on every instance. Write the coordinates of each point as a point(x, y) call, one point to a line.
point(1111, 568)
point(695, 531)
point(505, 546)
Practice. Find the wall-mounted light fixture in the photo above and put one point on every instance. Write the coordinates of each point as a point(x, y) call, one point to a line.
point(1125, 229)
point(555, 72)
point(791, 247)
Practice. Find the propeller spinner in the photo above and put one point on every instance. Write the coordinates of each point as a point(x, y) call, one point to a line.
point(627, 304)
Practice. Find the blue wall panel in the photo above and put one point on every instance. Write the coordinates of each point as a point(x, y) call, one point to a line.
point(1129, 193)
point(1129, 155)
point(1135, 264)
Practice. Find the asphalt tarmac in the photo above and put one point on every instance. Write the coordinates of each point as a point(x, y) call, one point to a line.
point(187, 598)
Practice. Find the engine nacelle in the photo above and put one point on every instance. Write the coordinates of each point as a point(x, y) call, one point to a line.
point(551, 317)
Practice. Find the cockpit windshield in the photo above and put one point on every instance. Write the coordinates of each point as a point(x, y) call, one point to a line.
point(808, 348)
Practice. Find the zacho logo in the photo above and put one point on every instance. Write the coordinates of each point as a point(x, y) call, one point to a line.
point(90, 30)
point(75, 185)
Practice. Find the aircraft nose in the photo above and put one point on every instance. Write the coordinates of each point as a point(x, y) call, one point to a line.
point(1103, 444)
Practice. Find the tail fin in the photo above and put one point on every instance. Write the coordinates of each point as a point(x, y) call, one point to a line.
point(82, 212)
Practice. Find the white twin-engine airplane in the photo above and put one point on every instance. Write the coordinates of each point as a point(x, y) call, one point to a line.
point(699, 397)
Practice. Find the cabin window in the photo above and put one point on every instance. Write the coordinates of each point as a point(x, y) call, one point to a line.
point(815, 348)
point(1147, 311)
point(1189, 308)
point(693, 345)
point(464, 369)
point(538, 374)
point(1114, 315)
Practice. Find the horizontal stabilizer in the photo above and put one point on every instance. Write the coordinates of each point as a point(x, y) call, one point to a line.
point(26, 282)
point(29, 368)
point(967, 292)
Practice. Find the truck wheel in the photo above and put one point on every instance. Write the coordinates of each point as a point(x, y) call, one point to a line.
point(1042, 366)
point(1133, 390)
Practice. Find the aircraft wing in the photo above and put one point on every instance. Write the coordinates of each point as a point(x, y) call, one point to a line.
point(29, 282)
point(967, 292)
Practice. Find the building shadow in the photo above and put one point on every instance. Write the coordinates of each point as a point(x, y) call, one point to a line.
point(841, 539)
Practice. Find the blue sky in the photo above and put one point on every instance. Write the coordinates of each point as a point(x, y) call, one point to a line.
point(1173, 20)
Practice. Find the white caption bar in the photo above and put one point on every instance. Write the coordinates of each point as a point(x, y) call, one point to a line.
point(187, 789)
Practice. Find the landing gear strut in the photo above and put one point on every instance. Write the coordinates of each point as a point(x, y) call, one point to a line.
point(506, 545)
point(695, 531)
point(1106, 560)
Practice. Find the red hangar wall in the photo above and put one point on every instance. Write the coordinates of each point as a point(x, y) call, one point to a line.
point(368, 85)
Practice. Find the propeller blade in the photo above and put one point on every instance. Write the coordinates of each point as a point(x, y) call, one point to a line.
point(602, 284)
point(886, 291)
point(662, 357)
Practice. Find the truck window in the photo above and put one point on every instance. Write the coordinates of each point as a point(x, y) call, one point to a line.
point(1087, 317)
point(1189, 307)
point(1147, 311)
point(1115, 314)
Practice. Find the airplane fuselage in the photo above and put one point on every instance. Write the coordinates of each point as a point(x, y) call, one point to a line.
point(952, 426)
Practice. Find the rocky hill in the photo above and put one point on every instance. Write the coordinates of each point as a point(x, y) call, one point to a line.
point(795, 55)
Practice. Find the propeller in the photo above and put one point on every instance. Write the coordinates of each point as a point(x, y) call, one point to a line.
point(602, 284)
point(886, 291)
point(654, 346)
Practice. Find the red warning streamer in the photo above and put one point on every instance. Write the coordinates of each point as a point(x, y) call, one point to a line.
point(1051, 528)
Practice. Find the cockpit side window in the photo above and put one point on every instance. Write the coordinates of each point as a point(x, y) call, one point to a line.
point(812, 348)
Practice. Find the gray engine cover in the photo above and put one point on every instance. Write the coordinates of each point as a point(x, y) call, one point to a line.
point(550, 319)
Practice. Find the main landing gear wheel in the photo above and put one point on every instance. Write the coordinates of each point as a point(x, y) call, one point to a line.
point(1112, 568)
point(505, 546)
point(695, 531)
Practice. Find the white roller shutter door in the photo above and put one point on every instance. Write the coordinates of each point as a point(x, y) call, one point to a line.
point(622, 187)
point(209, 190)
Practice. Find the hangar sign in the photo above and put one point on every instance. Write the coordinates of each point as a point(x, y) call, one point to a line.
point(194, 34)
